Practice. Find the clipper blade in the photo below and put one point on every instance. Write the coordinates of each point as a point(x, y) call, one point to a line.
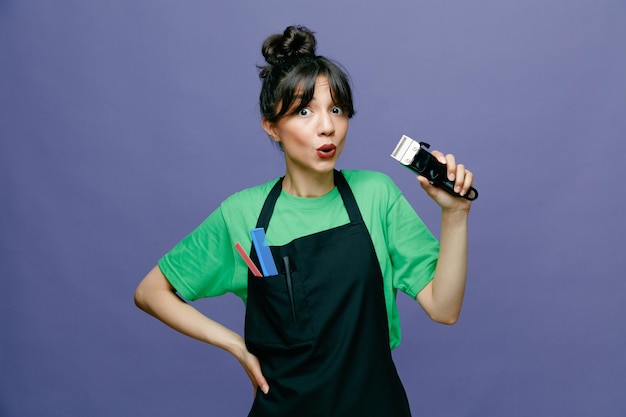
point(405, 150)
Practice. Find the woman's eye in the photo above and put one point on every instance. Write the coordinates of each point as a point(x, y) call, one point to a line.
point(336, 110)
point(304, 112)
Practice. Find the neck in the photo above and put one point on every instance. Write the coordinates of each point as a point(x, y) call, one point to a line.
point(309, 186)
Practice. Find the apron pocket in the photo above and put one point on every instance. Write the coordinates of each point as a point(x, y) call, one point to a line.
point(277, 314)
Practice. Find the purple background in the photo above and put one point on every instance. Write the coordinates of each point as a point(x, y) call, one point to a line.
point(124, 123)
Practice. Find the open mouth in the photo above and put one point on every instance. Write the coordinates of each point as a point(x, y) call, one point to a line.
point(326, 151)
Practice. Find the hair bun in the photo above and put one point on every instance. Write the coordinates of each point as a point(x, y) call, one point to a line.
point(295, 41)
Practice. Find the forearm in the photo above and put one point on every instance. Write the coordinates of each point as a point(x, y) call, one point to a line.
point(443, 297)
point(156, 297)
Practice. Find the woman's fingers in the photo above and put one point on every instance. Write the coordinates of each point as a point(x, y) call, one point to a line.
point(253, 368)
point(463, 179)
point(468, 182)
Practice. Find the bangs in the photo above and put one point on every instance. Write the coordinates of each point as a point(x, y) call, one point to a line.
point(298, 87)
point(297, 92)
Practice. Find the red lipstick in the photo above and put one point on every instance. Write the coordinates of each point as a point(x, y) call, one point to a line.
point(326, 151)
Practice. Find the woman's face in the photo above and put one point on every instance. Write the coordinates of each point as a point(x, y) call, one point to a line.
point(312, 138)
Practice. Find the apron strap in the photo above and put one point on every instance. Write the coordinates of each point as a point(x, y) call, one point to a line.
point(348, 198)
point(342, 186)
point(268, 207)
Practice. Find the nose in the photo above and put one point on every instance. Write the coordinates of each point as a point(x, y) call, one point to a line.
point(326, 126)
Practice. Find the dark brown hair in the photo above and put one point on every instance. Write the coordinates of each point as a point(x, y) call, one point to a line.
point(291, 71)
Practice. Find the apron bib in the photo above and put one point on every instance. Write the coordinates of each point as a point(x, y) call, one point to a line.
point(319, 327)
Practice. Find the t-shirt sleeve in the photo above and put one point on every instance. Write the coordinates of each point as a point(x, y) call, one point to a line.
point(202, 264)
point(412, 247)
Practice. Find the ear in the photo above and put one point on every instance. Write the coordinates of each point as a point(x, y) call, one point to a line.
point(270, 129)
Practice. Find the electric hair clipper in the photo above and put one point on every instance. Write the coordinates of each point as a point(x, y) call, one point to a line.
point(415, 156)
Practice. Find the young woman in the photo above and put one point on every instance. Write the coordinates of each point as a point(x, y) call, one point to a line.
point(320, 330)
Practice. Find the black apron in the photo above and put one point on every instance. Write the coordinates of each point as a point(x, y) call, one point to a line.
point(319, 327)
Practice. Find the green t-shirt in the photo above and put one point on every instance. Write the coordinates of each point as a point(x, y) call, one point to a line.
point(206, 264)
